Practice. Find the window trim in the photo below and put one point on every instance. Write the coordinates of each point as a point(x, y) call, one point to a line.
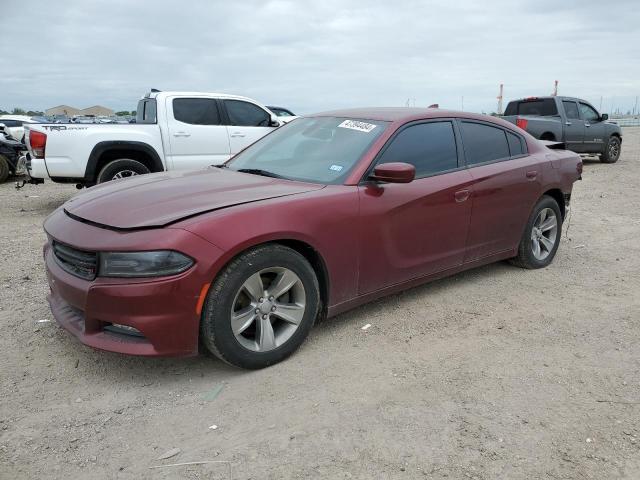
point(456, 135)
point(504, 130)
point(596, 120)
point(577, 104)
point(227, 118)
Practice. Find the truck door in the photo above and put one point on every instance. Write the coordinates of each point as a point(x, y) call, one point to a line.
point(594, 129)
point(573, 126)
point(247, 123)
point(197, 136)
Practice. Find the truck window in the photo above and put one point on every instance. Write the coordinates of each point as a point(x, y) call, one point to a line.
point(588, 113)
point(571, 109)
point(196, 111)
point(483, 143)
point(146, 112)
point(245, 114)
point(543, 107)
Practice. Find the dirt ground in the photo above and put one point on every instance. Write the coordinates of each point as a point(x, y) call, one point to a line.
point(496, 373)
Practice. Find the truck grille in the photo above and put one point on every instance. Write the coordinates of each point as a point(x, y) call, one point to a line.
point(76, 262)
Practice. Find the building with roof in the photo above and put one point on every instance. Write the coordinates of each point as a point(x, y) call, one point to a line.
point(62, 110)
point(96, 111)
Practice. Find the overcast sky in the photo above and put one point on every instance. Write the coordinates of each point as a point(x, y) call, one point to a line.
point(318, 55)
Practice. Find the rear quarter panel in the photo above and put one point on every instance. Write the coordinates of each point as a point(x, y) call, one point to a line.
point(69, 145)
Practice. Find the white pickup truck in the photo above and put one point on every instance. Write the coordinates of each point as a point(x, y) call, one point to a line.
point(173, 131)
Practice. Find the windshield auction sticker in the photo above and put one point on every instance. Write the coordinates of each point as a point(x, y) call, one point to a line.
point(356, 125)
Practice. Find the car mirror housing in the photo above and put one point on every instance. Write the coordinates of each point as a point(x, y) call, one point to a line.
point(394, 172)
point(604, 116)
point(274, 122)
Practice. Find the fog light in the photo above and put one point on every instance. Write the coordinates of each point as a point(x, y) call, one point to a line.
point(123, 330)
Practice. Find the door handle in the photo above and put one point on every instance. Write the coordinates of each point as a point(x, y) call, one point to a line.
point(238, 134)
point(587, 124)
point(567, 123)
point(181, 134)
point(461, 195)
point(532, 174)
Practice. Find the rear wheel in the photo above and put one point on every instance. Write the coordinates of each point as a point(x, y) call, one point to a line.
point(121, 168)
point(612, 150)
point(261, 307)
point(541, 235)
point(4, 168)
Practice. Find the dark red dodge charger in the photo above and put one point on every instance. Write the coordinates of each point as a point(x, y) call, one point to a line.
point(322, 215)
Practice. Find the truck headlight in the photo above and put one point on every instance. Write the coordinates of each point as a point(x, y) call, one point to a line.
point(157, 263)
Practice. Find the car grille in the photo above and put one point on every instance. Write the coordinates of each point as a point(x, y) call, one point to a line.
point(77, 262)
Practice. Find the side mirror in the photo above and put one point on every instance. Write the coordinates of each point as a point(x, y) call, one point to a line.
point(395, 172)
point(604, 116)
point(2, 127)
point(274, 122)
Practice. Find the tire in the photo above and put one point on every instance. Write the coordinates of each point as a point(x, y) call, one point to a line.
point(229, 293)
point(527, 256)
point(121, 168)
point(612, 150)
point(4, 168)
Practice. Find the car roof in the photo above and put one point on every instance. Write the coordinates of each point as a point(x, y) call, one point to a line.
point(21, 118)
point(403, 114)
point(197, 94)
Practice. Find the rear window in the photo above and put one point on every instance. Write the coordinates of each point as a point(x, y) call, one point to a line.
point(146, 112)
point(544, 107)
point(483, 143)
point(196, 111)
point(515, 144)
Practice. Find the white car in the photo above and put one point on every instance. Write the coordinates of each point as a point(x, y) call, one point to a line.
point(173, 131)
point(14, 124)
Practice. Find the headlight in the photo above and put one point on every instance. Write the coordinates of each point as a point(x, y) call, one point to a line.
point(143, 264)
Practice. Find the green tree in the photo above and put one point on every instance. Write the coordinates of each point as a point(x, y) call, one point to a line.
point(18, 111)
point(123, 113)
point(35, 113)
point(134, 113)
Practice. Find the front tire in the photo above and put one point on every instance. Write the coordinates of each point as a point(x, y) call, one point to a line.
point(261, 307)
point(541, 236)
point(612, 150)
point(4, 168)
point(121, 168)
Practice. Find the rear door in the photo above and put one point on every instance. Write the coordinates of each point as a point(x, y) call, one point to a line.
point(573, 126)
point(594, 128)
point(415, 229)
point(506, 184)
point(247, 122)
point(197, 136)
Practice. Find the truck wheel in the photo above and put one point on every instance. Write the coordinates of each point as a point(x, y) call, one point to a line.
point(612, 150)
point(121, 168)
point(4, 168)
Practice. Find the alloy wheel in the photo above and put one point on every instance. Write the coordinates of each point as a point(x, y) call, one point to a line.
point(267, 309)
point(544, 233)
point(124, 174)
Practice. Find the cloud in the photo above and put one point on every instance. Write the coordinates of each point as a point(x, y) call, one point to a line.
point(313, 56)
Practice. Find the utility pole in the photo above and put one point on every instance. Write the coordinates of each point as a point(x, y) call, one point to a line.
point(462, 103)
point(635, 106)
point(600, 109)
point(499, 112)
point(555, 89)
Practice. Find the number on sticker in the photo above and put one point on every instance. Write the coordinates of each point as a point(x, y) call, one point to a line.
point(357, 125)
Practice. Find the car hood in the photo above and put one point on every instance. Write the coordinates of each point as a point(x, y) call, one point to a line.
point(158, 199)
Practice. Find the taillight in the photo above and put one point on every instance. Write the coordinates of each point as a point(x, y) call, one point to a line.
point(579, 168)
point(38, 142)
point(522, 123)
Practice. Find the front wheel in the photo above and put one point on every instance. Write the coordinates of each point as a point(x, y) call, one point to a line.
point(612, 150)
point(541, 235)
point(121, 168)
point(261, 307)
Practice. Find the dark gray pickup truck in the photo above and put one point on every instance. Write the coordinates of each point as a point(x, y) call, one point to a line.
point(571, 121)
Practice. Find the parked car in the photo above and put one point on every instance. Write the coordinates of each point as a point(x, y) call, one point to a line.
point(173, 131)
point(569, 120)
point(14, 124)
point(324, 214)
point(281, 111)
point(10, 152)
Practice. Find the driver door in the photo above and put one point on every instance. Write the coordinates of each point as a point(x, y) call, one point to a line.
point(594, 128)
point(247, 123)
point(420, 228)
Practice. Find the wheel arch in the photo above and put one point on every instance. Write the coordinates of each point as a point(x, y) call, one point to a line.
point(549, 136)
point(559, 197)
point(104, 152)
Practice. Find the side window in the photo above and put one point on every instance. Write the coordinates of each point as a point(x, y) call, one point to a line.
point(588, 113)
point(245, 114)
point(196, 111)
point(146, 111)
point(515, 145)
point(430, 147)
point(483, 143)
point(571, 109)
point(9, 123)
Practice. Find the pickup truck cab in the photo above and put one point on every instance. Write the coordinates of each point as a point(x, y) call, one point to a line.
point(572, 121)
point(173, 131)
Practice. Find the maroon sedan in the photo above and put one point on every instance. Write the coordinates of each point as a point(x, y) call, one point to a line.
point(322, 215)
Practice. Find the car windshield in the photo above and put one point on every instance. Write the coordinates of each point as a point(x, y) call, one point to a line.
point(314, 149)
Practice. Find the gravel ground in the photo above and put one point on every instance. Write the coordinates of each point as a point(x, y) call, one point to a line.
point(494, 373)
